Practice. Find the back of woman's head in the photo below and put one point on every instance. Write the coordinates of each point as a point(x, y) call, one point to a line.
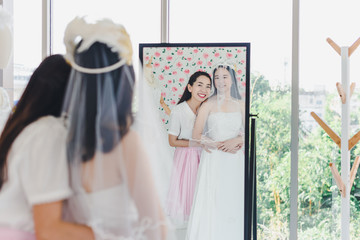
point(187, 94)
point(42, 96)
point(105, 111)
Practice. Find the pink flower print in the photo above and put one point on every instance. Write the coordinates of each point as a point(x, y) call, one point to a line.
point(157, 54)
point(239, 71)
point(157, 64)
point(199, 62)
point(174, 89)
point(243, 84)
point(161, 77)
point(169, 81)
point(163, 120)
point(242, 61)
point(166, 67)
point(217, 54)
point(239, 51)
point(180, 52)
point(229, 55)
point(169, 57)
point(209, 63)
point(189, 59)
point(187, 71)
point(173, 102)
point(205, 55)
point(147, 58)
point(180, 95)
point(174, 72)
point(196, 50)
point(163, 94)
point(181, 80)
point(168, 48)
point(179, 64)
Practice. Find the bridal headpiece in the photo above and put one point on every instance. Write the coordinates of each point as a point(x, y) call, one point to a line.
point(104, 31)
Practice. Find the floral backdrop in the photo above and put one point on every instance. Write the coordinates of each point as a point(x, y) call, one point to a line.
point(168, 69)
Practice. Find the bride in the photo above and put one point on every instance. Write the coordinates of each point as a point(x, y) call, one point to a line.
point(218, 209)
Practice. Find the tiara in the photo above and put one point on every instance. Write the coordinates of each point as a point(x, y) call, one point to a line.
point(104, 31)
point(224, 64)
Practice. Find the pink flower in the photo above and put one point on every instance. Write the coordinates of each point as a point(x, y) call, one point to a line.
point(209, 63)
point(181, 80)
point(157, 54)
point(179, 64)
point(229, 55)
point(169, 81)
point(147, 58)
point(180, 52)
point(199, 62)
point(156, 64)
point(174, 89)
point(196, 50)
point(163, 94)
point(243, 84)
point(239, 71)
point(189, 59)
point(163, 120)
point(173, 102)
point(161, 77)
point(205, 55)
point(169, 57)
point(180, 95)
point(217, 54)
point(187, 71)
point(174, 72)
point(167, 67)
point(239, 51)
point(168, 48)
point(242, 61)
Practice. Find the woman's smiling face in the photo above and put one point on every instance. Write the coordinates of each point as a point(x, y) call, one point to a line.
point(201, 88)
point(222, 80)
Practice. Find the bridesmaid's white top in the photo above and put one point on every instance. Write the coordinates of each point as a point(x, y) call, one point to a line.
point(182, 121)
point(37, 173)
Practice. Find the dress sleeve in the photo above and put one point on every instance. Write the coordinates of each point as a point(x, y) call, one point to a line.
point(44, 173)
point(174, 127)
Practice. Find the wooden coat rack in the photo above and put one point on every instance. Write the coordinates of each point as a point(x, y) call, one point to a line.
point(344, 181)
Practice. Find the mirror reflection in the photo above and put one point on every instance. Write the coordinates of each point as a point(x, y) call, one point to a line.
point(200, 93)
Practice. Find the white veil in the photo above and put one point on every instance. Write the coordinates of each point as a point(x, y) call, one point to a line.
point(116, 174)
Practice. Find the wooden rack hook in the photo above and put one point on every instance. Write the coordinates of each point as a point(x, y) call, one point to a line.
point(327, 129)
point(353, 47)
point(340, 184)
point(352, 88)
point(334, 45)
point(341, 92)
point(354, 140)
point(354, 170)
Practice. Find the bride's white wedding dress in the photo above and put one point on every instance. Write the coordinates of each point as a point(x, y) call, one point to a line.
point(218, 209)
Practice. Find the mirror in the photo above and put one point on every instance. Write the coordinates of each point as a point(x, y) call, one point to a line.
point(207, 133)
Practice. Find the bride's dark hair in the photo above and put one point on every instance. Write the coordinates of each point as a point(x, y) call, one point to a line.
point(94, 90)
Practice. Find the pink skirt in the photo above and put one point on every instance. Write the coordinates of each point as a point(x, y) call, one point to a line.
point(183, 183)
point(13, 234)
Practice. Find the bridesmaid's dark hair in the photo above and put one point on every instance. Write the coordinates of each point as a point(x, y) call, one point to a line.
point(187, 95)
point(42, 96)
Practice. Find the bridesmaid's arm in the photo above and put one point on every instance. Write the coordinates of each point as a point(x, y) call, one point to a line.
point(50, 226)
point(199, 125)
